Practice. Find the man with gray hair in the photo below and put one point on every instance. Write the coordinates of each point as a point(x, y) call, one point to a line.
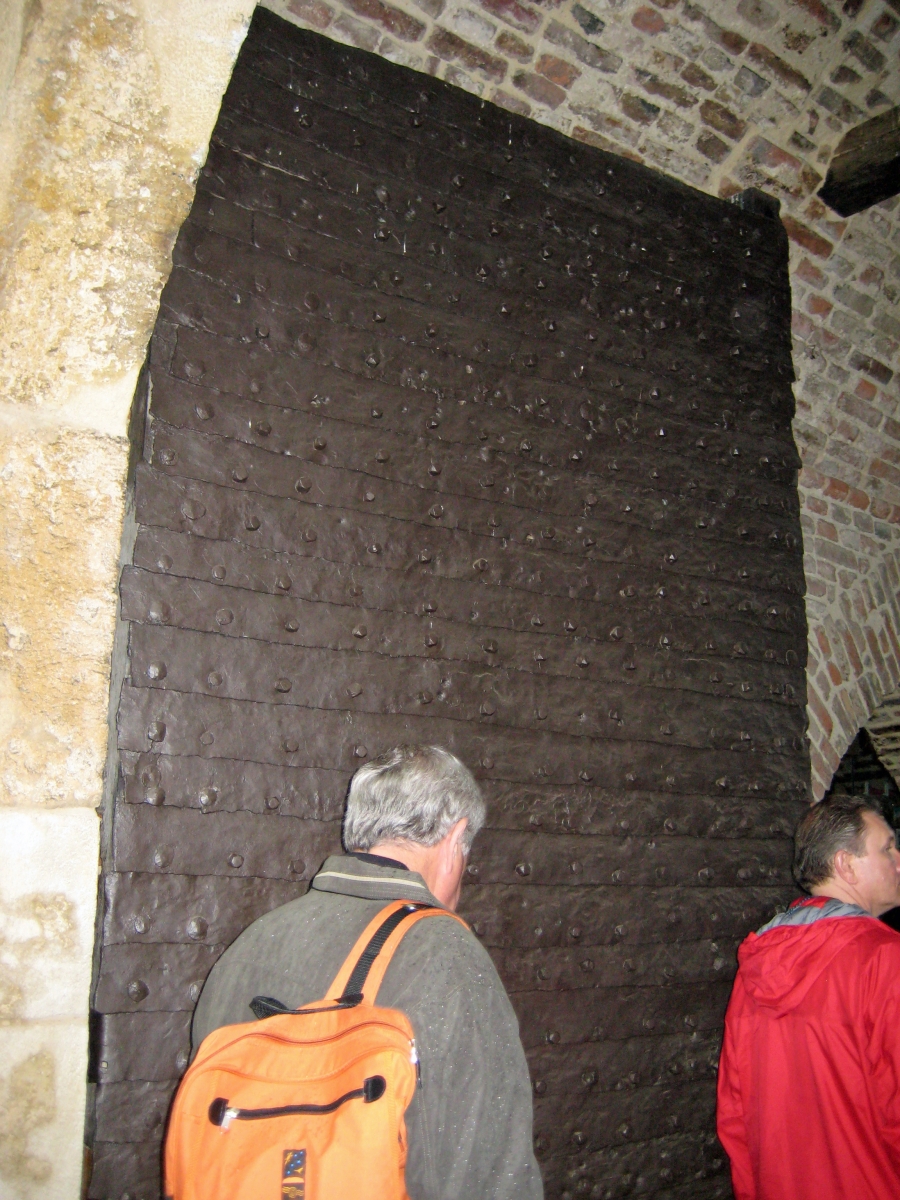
point(410, 819)
point(809, 1104)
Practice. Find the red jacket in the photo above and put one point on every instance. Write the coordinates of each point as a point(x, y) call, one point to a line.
point(809, 1079)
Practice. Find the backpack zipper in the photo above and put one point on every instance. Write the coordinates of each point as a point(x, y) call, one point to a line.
point(414, 1059)
point(222, 1115)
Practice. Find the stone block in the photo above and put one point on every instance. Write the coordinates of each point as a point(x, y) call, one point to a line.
point(676, 129)
point(312, 12)
point(406, 55)
point(520, 16)
point(786, 75)
point(669, 159)
point(884, 322)
point(48, 897)
point(355, 32)
point(750, 83)
point(880, 469)
point(850, 327)
point(810, 274)
point(42, 1082)
point(845, 75)
point(611, 145)
point(862, 411)
point(589, 22)
point(818, 708)
point(462, 79)
point(673, 92)
point(539, 88)
point(716, 60)
point(872, 277)
point(807, 238)
point(720, 118)
point(712, 147)
point(827, 530)
point(841, 266)
point(767, 154)
point(733, 42)
point(638, 109)
point(585, 51)
point(871, 367)
point(801, 326)
point(864, 51)
point(885, 27)
point(759, 13)
point(818, 306)
point(696, 77)
point(454, 49)
point(514, 47)
point(839, 106)
point(471, 26)
point(839, 555)
point(618, 131)
point(394, 20)
point(648, 20)
point(557, 70)
point(512, 103)
point(799, 142)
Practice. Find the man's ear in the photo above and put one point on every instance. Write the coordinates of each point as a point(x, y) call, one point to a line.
point(845, 866)
point(454, 839)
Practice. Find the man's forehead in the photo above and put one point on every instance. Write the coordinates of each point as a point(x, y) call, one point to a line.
point(878, 825)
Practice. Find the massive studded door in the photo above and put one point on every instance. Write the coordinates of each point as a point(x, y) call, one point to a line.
point(461, 432)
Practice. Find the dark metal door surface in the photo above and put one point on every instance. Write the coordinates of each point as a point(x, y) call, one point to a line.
point(465, 433)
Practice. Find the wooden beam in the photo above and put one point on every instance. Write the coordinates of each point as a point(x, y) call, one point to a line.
point(866, 166)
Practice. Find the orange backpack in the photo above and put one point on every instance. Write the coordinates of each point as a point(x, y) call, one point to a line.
point(305, 1104)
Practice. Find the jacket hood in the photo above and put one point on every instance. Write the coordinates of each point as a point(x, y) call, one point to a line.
point(781, 962)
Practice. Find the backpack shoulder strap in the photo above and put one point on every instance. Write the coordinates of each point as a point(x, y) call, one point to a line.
point(360, 977)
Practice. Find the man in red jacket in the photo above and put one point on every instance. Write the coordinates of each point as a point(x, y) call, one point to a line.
point(809, 1078)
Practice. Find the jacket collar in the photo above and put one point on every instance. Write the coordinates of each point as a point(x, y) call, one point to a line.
point(812, 909)
point(350, 876)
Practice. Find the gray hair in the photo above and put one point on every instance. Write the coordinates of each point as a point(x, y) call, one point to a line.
point(833, 824)
point(411, 794)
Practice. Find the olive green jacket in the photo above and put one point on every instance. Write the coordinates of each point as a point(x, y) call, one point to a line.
point(469, 1125)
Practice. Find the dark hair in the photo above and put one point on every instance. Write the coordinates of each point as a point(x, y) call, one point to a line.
point(834, 824)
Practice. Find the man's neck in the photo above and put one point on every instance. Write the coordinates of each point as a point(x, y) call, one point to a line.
point(378, 860)
point(414, 858)
point(421, 859)
point(834, 889)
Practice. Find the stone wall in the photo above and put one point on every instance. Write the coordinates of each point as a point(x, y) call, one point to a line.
point(106, 122)
point(752, 93)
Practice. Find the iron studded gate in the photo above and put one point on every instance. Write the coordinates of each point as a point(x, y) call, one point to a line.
point(462, 432)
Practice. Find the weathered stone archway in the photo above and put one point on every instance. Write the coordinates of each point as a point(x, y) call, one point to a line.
point(106, 116)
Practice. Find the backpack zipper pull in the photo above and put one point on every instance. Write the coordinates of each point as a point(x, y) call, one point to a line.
point(414, 1059)
point(228, 1116)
